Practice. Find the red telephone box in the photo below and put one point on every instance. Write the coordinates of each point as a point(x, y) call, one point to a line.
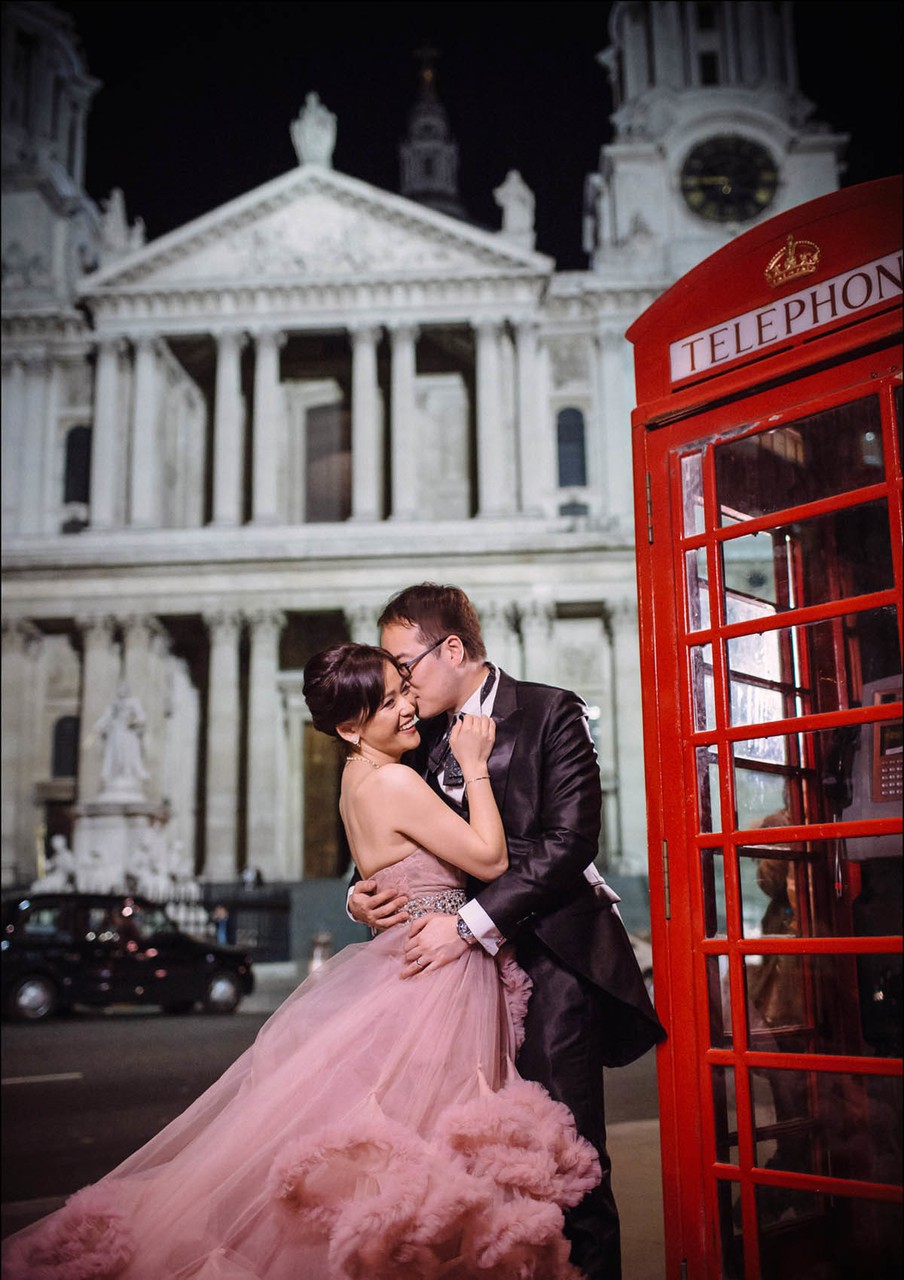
point(767, 451)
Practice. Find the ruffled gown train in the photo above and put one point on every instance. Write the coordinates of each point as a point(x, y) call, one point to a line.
point(375, 1129)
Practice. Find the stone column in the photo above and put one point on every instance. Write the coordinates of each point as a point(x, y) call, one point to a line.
point(180, 751)
point(362, 624)
point(296, 714)
point(105, 453)
point(223, 727)
point(100, 674)
point(535, 438)
point(367, 441)
point(35, 451)
point(629, 736)
point(264, 723)
point(496, 475)
point(11, 448)
point(269, 426)
point(145, 478)
point(537, 618)
point(403, 430)
point(609, 447)
point(228, 444)
point(18, 818)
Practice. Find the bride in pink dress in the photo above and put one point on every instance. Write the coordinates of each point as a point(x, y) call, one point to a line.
point(377, 1127)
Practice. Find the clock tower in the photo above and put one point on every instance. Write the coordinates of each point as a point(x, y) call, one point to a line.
point(711, 134)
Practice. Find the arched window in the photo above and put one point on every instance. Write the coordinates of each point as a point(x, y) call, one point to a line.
point(572, 453)
point(77, 482)
point(64, 762)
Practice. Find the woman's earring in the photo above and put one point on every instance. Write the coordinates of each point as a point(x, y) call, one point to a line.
point(356, 739)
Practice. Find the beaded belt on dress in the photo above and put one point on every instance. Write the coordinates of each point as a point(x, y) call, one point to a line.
point(448, 902)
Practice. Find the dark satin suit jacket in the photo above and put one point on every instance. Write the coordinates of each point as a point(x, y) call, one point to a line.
point(545, 776)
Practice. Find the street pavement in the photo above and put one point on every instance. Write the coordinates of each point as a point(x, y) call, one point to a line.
point(633, 1145)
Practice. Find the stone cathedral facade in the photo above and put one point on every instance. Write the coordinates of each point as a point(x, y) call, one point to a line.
point(226, 448)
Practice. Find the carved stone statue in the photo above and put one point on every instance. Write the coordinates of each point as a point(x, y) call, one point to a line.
point(61, 869)
point(117, 237)
point(182, 884)
point(122, 727)
point(314, 133)
point(516, 200)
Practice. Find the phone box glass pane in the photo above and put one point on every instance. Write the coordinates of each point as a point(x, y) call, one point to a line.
point(802, 670)
point(828, 1123)
point(817, 457)
point(824, 1004)
point(825, 558)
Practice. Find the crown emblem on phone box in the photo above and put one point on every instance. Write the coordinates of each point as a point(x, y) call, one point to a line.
point(795, 258)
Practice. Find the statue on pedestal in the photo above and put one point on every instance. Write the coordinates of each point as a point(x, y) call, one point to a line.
point(516, 200)
point(122, 728)
point(314, 133)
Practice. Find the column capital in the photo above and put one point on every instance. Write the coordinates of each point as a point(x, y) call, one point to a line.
point(37, 361)
point(526, 327)
point(146, 343)
point(622, 613)
point(227, 336)
point(488, 325)
point(539, 614)
point(221, 623)
point(610, 329)
point(95, 625)
point(132, 623)
point(269, 335)
point(20, 635)
point(362, 623)
point(403, 330)
point(499, 614)
point(266, 619)
point(111, 344)
point(363, 334)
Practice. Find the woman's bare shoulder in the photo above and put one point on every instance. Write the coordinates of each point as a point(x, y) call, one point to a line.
point(401, 778)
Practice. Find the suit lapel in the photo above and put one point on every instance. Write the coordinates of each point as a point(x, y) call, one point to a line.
point(507, 715)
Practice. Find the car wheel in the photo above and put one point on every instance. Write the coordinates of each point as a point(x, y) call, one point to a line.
point(32, 999)
point(223, 994)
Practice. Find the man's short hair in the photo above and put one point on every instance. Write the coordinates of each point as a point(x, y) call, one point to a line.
point(437, 611)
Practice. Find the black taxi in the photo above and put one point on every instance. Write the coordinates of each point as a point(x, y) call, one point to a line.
point(66, 949)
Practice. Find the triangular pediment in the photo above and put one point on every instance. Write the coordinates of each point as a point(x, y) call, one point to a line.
point(314, 224)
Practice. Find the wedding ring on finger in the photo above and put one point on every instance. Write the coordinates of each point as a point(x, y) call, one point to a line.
point(419, 961)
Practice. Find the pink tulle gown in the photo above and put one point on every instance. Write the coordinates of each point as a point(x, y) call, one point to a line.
point(376, 1129)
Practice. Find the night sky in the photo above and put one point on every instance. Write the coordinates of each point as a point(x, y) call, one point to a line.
point(197, 98)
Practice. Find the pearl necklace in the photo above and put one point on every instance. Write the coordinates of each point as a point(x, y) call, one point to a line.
point(363, 759)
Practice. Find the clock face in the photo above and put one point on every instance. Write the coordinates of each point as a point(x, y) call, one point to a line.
point(728, 179)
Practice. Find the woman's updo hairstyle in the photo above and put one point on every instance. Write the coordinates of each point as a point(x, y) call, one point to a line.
point(345, 685)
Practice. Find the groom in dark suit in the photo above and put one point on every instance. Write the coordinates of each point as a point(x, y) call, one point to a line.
point(589, 1007)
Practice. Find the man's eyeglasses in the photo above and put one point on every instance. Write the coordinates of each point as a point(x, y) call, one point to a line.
point(406, 668)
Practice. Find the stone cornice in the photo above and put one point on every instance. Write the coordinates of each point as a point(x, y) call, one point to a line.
point(214, 549)
point(322, 304)
point(26, 327)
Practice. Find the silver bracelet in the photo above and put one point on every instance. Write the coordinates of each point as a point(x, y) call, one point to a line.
point(483, 777)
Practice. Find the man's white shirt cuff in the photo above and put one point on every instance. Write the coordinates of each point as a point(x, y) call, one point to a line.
point(481, 926)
